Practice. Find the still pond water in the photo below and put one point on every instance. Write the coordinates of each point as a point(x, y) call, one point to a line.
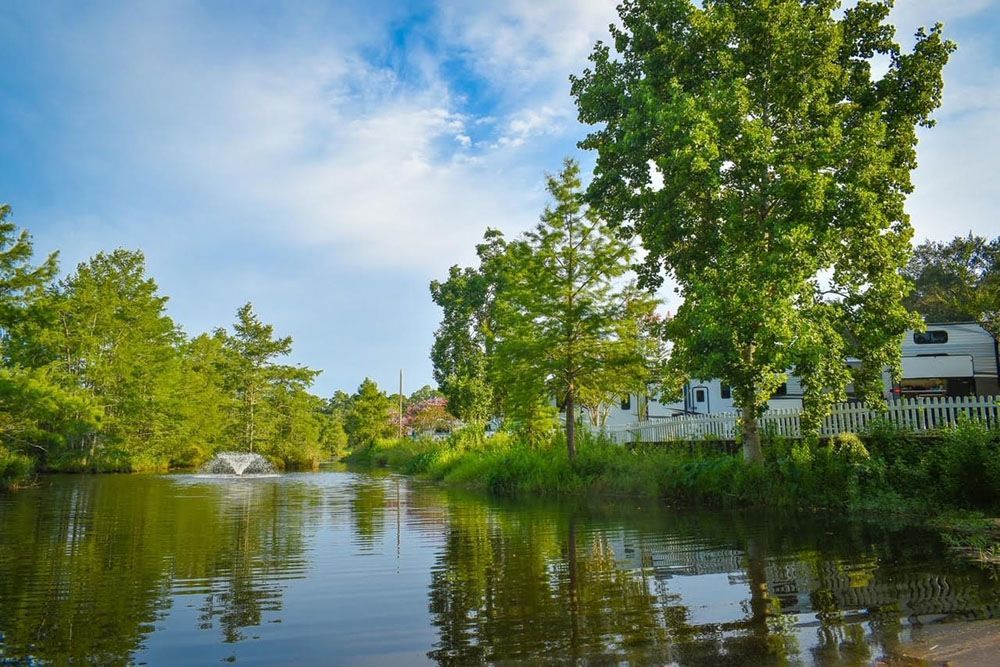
point(345, 568)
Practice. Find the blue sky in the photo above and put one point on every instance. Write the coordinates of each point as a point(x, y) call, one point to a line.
point(327, 160)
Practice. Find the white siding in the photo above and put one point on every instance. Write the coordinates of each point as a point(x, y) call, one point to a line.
point(966, 340)
point(963, 340)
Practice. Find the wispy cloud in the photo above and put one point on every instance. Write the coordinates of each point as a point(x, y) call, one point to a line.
point(267, 154)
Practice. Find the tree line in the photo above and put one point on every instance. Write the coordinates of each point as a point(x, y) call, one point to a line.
point(95, 374)
point(752, 154)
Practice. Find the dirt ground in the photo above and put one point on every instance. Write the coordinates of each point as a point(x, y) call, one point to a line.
point(953, 644)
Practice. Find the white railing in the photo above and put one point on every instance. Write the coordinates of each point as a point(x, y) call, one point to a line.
point(916, 414)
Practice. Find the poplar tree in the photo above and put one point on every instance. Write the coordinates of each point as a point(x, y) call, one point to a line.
point(764, 165)
point(564, 316)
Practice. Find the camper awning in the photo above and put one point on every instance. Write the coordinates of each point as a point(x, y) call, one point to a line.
point(943, 366)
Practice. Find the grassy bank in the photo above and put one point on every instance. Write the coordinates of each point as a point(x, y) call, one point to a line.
point(18, 470)
point(111, 461)
point(952, 477)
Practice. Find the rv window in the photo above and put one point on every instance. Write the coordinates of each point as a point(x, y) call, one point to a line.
point(627, 402)
point(699, 395)
point(930, 337)
point(782, 390)
point(727, 391)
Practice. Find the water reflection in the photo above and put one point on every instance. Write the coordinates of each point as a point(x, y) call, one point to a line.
point(691, 588)
point(313, 569)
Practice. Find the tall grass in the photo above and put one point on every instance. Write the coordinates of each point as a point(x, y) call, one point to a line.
point(884, 468)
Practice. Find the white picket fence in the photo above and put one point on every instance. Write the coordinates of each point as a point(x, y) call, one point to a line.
point(916, 414)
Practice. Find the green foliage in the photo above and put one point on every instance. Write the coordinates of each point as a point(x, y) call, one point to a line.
point(38, 416)
point(110, 335)
point(566, 321)
point(267, 392)
point(956, 281)
point(965, 465)
point(333, 438)
point(765, 169)
point(15, 469)
point(22, 284)
point(368, 419)
point(463, 341)
point(95, 376)
point(883, 470)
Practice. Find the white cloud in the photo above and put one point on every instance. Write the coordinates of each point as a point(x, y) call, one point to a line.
point(909, 14)
point(956, 190)
point(306, 142)
point(528, 42)
point(526, 124)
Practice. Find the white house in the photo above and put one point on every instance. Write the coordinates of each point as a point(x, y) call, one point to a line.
point(954, 359)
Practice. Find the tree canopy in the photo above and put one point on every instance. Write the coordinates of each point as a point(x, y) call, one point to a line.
point(567, 317)
point(96, 375)
point(764, 165)
point(957, 281)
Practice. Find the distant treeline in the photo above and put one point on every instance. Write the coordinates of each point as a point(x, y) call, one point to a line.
point(95, 375)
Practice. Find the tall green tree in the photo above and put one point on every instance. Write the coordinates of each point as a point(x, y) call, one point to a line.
point(464, 340)
point(764, 165)
point(110, 336)
point(256, 376)
point(958, 280)
point(37, 416)
point(22, 283)
point(566, 318)
point(369, 417)
point(206, 403)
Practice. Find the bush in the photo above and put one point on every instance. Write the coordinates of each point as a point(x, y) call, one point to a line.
point(15, 469)
point(965, 467)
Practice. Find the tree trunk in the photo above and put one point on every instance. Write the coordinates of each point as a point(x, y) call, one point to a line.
point(571, 423)
point(751, 438)
point(751, 427)
point(250, 422)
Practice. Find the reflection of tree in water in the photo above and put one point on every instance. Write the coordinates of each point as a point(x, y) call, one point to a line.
point(262, 544)
point(88, 565)
point(82, 571)
point(576, 586)
point(514, 588)
point(369, 500)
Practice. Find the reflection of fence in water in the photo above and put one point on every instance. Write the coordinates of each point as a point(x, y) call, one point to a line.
point(916, 414)
point(852, 587)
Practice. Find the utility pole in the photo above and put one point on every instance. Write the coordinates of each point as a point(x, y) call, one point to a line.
point(400, 403)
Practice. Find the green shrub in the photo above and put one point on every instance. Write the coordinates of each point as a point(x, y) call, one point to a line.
point(15, 469)
point(964, 465)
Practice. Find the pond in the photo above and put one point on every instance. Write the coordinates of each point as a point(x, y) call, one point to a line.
point(354, 568)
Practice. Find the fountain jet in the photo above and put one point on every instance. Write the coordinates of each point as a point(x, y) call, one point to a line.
point(238, 463)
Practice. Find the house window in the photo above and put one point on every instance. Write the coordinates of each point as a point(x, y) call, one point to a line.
point(930, 337)
point(699, 395)
point(726, 391)
point(627, 402)
point(782, 389)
